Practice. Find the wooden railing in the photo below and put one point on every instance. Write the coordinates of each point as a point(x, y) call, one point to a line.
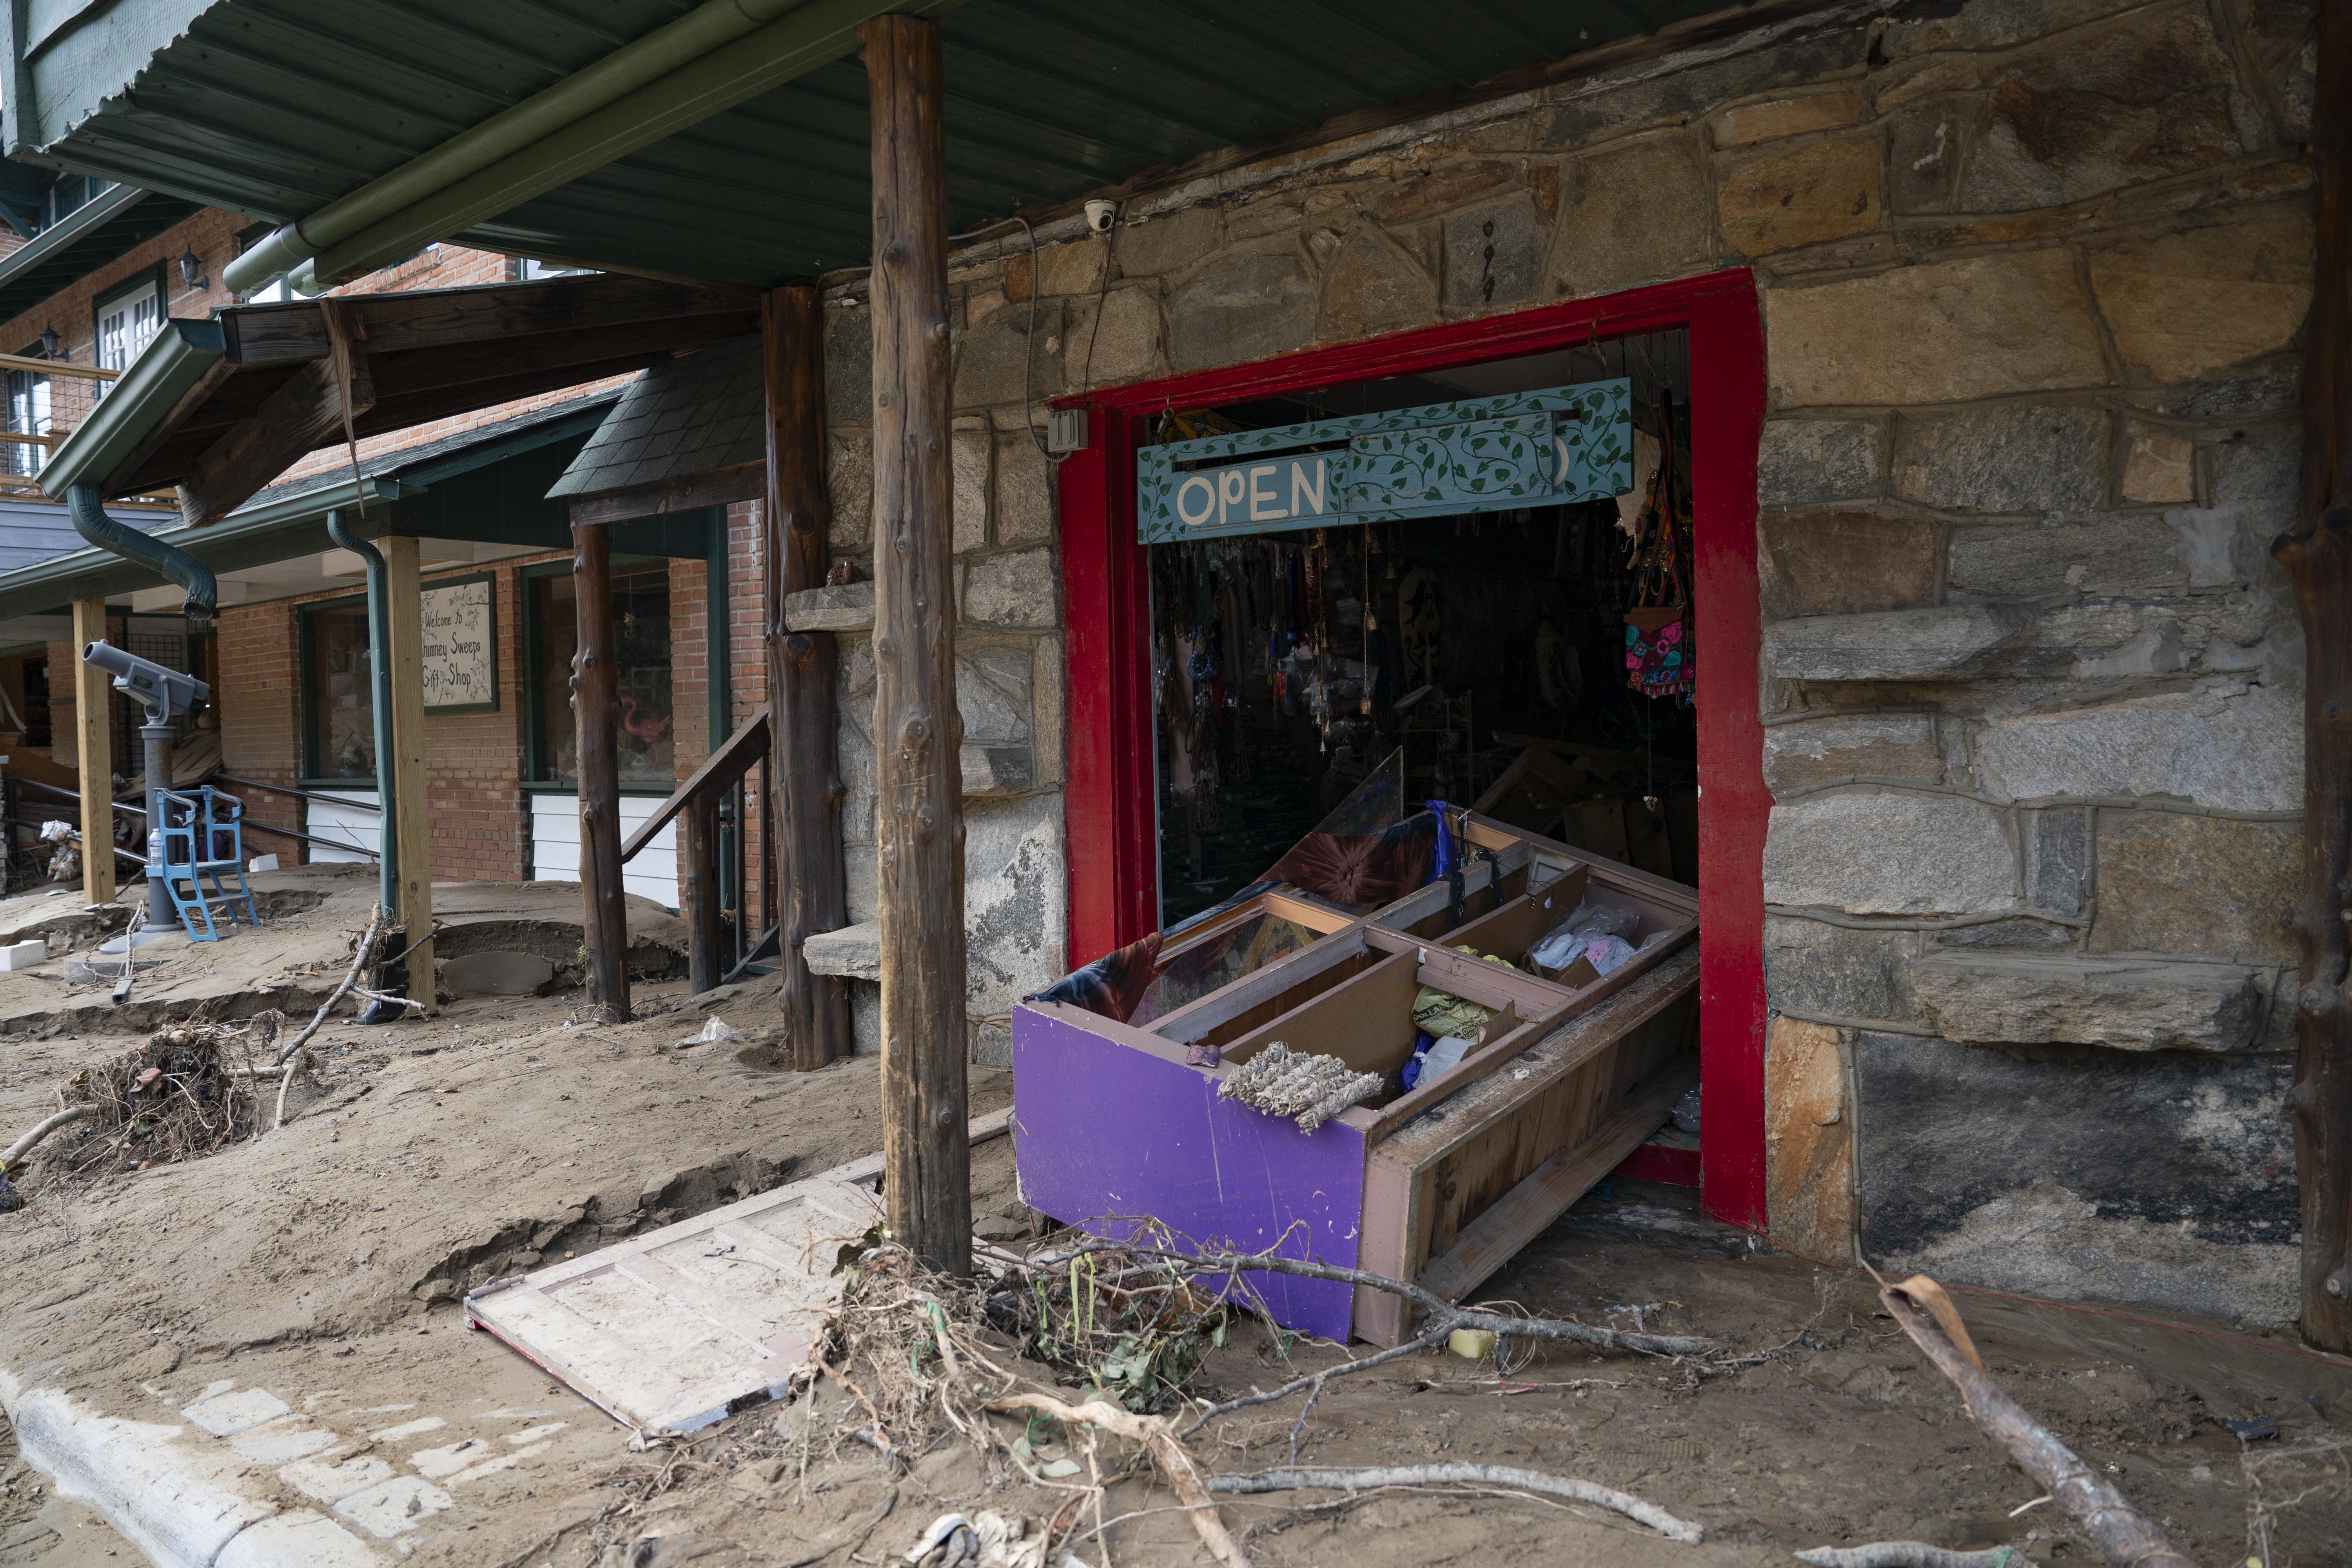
point(713, 888)
point(28, 486)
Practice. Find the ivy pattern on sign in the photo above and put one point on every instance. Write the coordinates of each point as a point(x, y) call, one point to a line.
point(1481, 454)
point(1498, 461)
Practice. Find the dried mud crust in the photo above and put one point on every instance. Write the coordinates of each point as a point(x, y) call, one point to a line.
point(1840, 1434)
point(303, 948)
point(322, 1261)
point(423, 1159)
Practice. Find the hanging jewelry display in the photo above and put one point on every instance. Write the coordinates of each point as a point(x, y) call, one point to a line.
point(1660, 660)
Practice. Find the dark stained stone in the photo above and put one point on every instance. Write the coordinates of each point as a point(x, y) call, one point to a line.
point(1843, 562)
point(992, 357)
point(2030, 935)
point(1926, 144)
point(2086, 115)
point(2055, 854)
point(1686, 94)
point(1371, 286)
point(2170, 882)
point(849, 367)
point(2107, 555)
point(2163, 1178)
point(1418, 195)
point(1804, 461)
point(1813, 966)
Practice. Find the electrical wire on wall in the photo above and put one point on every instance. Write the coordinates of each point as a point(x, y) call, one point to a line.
point(1029, 346)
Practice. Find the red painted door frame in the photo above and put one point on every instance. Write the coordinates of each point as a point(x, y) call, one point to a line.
point(1110, 806)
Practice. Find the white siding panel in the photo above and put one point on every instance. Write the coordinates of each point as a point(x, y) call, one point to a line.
point(344, 825)
point(555, 845)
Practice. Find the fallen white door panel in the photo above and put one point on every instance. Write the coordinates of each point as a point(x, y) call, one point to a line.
point(675, 1328)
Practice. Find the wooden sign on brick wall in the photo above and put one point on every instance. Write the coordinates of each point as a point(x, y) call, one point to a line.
point(461, 645)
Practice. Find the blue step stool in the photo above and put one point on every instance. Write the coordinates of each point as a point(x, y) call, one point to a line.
point(203, 840)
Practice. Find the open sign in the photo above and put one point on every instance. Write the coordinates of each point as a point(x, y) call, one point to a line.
point(1491, 453)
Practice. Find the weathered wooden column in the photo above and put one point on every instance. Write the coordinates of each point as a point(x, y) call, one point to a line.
point(917, 732)
point(697, 891)
point(94, 757)
point(796, 517)
point(2318, 555)
point(411, 803)
point(596, 735)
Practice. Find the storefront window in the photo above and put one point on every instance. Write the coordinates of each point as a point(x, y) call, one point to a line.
point(649, 749)
point(339, 707)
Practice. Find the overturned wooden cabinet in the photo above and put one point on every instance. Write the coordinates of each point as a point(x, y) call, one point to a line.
point(1119, 1124)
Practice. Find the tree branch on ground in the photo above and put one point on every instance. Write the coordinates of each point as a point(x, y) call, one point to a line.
point(1363, 1479)
point(1443, 1311)
point(1159, 1439)
point(2123, 1534)
point(1910, 1555)
point(359, 962)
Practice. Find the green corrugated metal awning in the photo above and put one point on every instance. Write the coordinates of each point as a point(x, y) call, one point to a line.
point(274, 108)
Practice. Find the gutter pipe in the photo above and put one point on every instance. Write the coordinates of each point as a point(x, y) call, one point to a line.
point(91, 521)
point(392, 209)
point(380, 678)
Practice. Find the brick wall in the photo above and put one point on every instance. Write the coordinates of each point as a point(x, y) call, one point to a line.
point(211, 236)
point(474, 761)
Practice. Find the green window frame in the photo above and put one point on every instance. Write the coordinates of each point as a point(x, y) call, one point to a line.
point(350, 690)
point(544, 675)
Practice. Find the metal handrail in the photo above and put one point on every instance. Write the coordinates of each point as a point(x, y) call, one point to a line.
point(138, 811)
point(309, 795)
point(141, 813)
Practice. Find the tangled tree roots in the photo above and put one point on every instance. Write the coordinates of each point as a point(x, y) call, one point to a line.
point(191, 1091)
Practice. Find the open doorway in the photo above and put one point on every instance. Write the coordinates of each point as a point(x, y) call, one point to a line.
point(1534, 662)
point(1112, 804)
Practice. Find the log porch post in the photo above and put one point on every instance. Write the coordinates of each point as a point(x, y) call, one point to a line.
point(596, 728)
point(916, 731)
point(2318, 555)
point(93, 756)
point(413, 830)
point(796, 519)
point(698, 892)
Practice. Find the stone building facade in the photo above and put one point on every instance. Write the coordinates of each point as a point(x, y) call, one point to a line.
point(2033, 276)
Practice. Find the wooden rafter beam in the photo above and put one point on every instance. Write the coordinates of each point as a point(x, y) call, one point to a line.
point(299, 416)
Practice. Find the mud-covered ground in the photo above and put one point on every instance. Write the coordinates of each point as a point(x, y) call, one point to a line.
point(320, 1265)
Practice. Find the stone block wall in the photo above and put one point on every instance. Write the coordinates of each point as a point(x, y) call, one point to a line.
point(2033, 275)
point(1008, 683)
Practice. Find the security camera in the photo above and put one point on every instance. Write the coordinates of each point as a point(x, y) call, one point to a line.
point(165, 692)
point(1100, 215)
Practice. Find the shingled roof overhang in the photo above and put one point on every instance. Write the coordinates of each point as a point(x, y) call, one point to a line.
point(110, 226)
point(276, 108)
point(219, 408)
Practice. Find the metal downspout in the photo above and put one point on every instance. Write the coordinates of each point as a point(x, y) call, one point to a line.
point(380, 685)
point(88, 509)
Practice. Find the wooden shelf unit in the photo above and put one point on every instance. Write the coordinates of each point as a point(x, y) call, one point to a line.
point(1115, 1126)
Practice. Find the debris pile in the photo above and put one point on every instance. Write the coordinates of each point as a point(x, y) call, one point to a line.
point(192, 1090)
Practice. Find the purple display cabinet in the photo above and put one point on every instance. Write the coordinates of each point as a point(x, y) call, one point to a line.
point(1109, 1137)
point(1113, 1126)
